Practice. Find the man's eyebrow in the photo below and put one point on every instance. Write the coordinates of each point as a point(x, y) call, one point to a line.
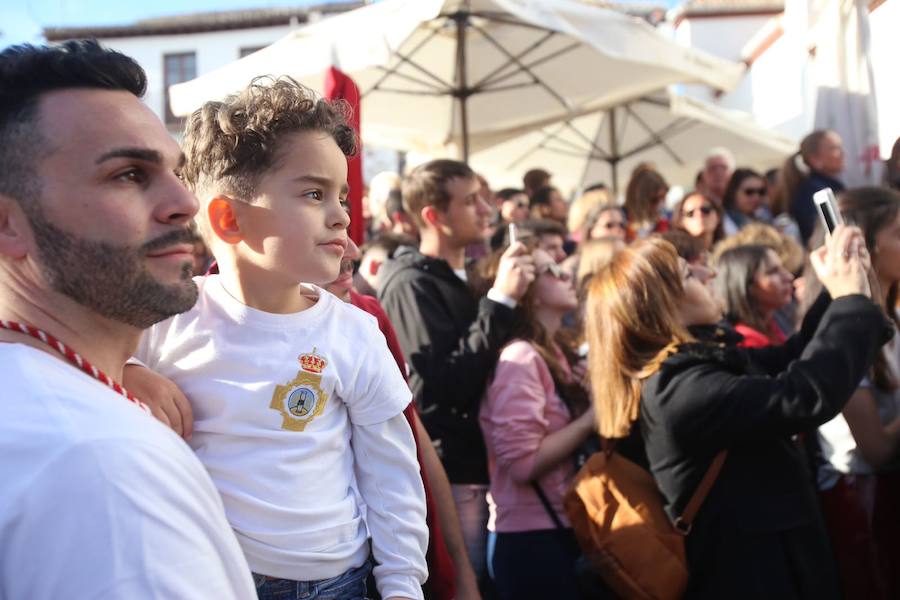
point(143, 154)
point(323, 181)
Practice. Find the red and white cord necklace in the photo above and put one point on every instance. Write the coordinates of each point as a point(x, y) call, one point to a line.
point(74, 358)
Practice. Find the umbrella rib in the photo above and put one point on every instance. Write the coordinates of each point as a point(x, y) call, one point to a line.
point(388, 90)
point(412, 79)
point(655, 139)
point(524, 68)
point(402, 58)
point(591, 144)
point(543, 59)
point(486, 80)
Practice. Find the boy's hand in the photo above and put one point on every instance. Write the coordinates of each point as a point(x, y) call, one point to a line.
point(165, 400)
point(515, 272)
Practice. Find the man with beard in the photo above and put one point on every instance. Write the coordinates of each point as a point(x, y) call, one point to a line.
point(99, 499)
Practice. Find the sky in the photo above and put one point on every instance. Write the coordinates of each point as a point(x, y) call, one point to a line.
point(22, 21)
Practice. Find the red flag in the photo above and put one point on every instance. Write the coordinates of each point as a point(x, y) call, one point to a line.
point(339, 86)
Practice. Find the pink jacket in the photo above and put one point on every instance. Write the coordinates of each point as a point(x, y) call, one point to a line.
point(520, 408)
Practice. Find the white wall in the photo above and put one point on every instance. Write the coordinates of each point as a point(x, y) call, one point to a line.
point(884, 52)
point(213, 50)
point(778, 90)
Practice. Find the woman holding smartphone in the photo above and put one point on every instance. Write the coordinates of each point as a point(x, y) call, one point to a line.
point(657, 374)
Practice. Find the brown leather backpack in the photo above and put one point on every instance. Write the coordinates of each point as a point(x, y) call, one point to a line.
point(616, 511)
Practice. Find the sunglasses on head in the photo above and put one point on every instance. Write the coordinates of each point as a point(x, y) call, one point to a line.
point(705, 210)
point(554, 270)
point(760, 191)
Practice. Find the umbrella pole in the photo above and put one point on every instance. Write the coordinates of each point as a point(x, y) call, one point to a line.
point(462, 90)
point(614, 152)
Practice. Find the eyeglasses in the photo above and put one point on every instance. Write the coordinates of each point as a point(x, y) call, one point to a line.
point(554, 270)
point(760, 191)
point(706, 210)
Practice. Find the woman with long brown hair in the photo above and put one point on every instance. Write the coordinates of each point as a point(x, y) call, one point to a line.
point(645, 199)
point(859, 478)
point(657, 374)
point(534, 415)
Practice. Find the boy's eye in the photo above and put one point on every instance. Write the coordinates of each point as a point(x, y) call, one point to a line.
point(345, 204)
point(314, 194)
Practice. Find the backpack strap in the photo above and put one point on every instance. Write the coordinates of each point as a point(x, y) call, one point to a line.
point(683, 523)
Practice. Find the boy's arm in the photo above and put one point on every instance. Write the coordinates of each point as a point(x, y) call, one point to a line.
point(164, 398)
point(387, 474)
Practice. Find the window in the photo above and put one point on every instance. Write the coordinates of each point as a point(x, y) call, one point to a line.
point(177, 68)
point(247, 51)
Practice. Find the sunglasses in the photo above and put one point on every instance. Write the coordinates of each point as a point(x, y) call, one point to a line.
point(554, 270)
point(760, 191)
point(706, 210)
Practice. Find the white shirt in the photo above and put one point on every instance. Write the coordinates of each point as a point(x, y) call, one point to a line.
point(292, 412)
point(836, 440)
point(98, 499)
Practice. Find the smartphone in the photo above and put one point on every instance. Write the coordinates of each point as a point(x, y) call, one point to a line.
point(513, 234)
point(828, 211)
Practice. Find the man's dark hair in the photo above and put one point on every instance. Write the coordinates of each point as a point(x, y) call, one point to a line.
point(508, 193)
point(534, 179)
point(26, 73)
point(541, 196)
point(394, 204)
point(426, 185)
point(388, 242)
point(539, 227)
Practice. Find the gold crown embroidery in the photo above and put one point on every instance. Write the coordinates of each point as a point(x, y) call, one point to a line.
point(302, 399)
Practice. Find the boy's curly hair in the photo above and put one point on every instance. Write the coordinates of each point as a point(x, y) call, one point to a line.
point(228, 145)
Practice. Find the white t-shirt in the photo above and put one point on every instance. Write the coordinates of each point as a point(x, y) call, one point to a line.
point(836, 440)
point(98, 499)
point(277, 399)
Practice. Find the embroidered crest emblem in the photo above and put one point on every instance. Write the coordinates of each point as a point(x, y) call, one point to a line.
point(302, 399)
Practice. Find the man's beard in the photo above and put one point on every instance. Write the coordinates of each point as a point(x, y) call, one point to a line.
point(111, 280)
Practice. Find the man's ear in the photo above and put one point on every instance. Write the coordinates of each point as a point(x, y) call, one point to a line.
point(222, 219)
point(14, 229)
point(431, 216)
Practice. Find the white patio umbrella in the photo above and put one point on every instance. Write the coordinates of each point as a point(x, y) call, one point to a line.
point(673, 132)
point(450, 76)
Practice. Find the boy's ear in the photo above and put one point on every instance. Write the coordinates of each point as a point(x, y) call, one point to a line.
point(222, 219)
point(14, 234)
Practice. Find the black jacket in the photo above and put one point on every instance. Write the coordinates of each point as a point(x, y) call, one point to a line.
point(759, 533)
point(451, 340)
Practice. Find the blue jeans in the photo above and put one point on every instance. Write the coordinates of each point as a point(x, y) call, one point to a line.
point(348, 586)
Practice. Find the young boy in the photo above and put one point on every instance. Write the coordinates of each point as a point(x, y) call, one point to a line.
point(297, 403)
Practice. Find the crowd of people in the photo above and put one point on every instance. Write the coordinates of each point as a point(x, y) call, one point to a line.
point(212, 392)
